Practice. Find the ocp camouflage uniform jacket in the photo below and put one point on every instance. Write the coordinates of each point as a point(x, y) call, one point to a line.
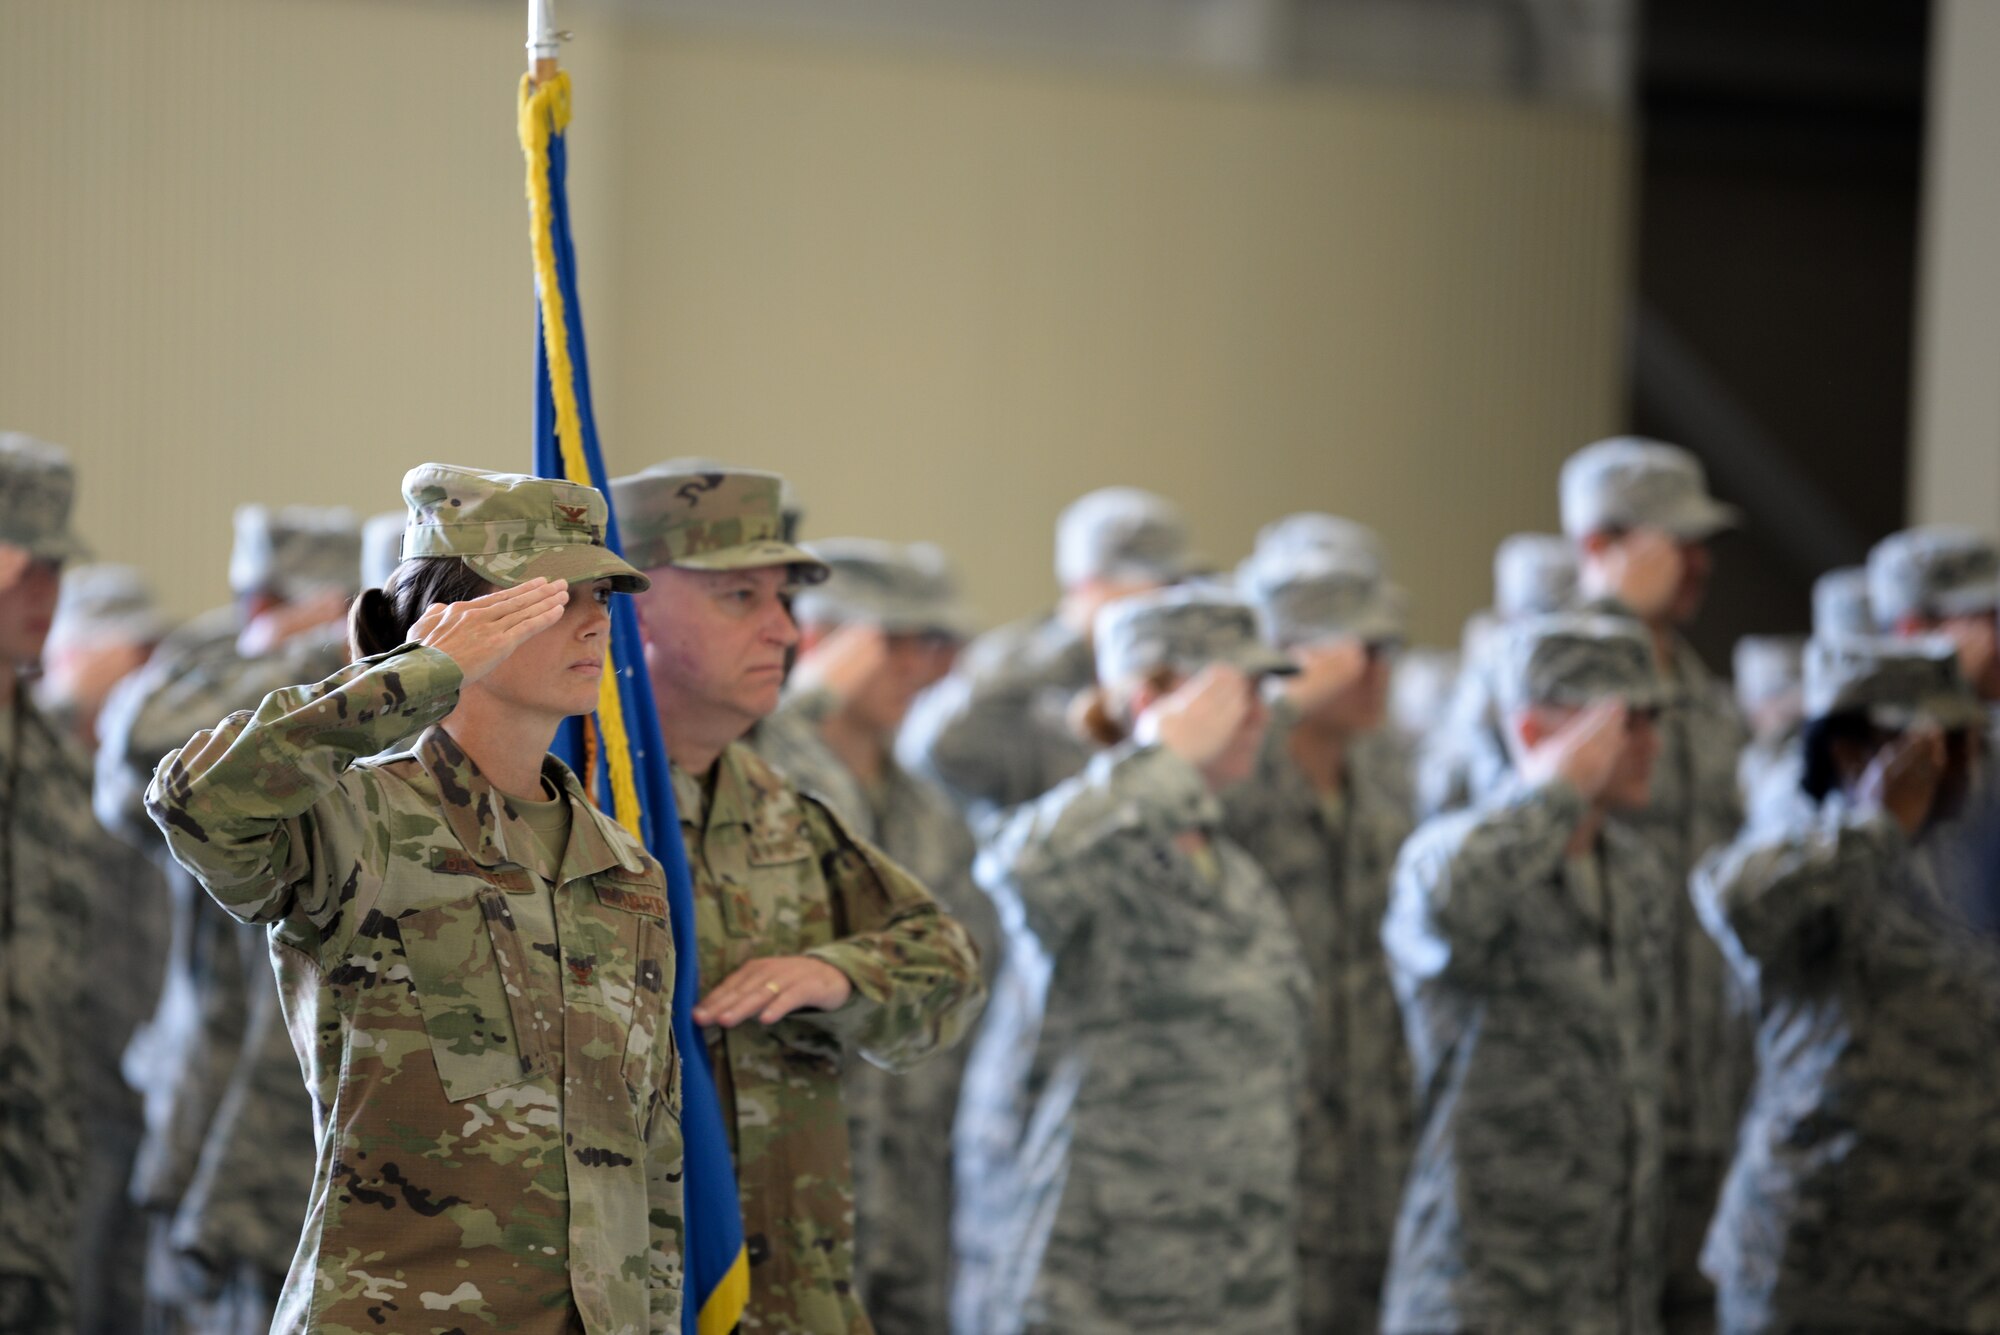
point(1865, 1192)
point(996, 733)
point(1331, 860)
point(490, 1055)
point(1534, 991)
point(776, 872)
point(899, 1125)
point(1154, 1181)
point(48, 864)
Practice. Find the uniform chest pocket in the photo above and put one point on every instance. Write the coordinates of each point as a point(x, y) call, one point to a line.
point(760, 900)
point(470, 970)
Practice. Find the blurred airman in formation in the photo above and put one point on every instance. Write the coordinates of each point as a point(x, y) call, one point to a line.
point(1197, 956)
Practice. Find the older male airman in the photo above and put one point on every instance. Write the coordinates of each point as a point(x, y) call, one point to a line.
point(815, 948)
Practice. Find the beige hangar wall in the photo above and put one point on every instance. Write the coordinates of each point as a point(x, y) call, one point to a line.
point(276, 249)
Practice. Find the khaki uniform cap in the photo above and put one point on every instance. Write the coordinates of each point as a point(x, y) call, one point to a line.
point(728, 519)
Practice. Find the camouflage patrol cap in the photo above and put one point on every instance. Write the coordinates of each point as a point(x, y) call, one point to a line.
point(1122, 533)
point(1184, 629)
point(1939, 570)
point(512, 528)
point(901, 589)
point(1282, 541)
point(295, 551)
point(1895, 682)
point(382, 547)
point(37, 489)
point(1326, 596)
point(1575, 659)
point(100, 603)
point(1840, 603)
point(1631, 482)
point(720, 519)
point(1766, 667)
point(1534, 573)
point(790, 504)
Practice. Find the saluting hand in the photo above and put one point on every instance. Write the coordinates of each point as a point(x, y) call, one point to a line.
point(772, 988)
point(844, 662)
point(1904, 778)
point(479, 633)
point(1582, 752)
point(1199, 720)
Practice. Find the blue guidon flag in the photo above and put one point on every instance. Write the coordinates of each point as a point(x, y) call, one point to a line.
point(618, 749)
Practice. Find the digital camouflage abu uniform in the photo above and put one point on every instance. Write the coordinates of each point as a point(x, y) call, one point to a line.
point(1136, 1134)
point(900, 1125)
point(1534, 987)
point(1766, 669)
point(1865, 1191)
point(487, 1045)
point(777, 872)
point(1330, 855)
point(219, 1250)
point(1620, 484)
point(108, 609)
point(996, 733)
point(49, 874)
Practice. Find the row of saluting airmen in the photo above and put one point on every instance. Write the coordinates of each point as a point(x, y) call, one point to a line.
point(1327, 986)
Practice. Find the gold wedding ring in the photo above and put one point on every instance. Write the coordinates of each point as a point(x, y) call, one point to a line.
point(775, 989)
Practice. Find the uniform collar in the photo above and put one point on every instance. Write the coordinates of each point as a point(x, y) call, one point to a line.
point(493, 833)
point(743, 784)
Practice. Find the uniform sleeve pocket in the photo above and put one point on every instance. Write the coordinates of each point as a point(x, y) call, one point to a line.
point(649, 1044)
point(466, 964)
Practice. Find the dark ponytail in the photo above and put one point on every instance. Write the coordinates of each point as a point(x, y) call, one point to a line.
point(381, 618)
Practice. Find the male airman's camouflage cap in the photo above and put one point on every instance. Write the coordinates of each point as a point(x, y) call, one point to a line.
point(101, 603)
point(1185, 629)
point(295, 551)
point(512, 528)
point(904, 590)
point(1896, 682)
point(1122, 533)
point(1939, 570)
point(718, 519)
point(382, 547)
point(37, 489)
point(791, 506)
point(1327, 595)
point(1575, 659)
point(1630, 482)
point(1765, 667)
point(1534, 573)
point(1840, 603)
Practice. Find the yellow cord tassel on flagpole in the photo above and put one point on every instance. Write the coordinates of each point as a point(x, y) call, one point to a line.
point(545, 112)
